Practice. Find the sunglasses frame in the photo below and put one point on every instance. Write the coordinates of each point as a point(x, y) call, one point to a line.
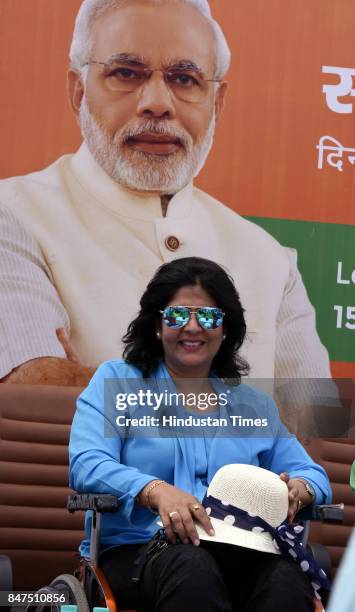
point(193, 310)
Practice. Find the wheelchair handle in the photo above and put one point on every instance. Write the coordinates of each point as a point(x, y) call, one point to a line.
point(92, 501)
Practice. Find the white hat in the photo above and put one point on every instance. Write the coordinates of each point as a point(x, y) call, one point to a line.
point(257, 492)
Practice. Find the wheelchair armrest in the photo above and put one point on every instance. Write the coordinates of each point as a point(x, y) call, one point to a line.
point(92, 501)
point(329, 513)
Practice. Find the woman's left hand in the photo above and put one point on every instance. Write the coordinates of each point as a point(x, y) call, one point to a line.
point(294, 495)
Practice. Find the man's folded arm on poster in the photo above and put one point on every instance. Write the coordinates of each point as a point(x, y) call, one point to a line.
point(30, 315)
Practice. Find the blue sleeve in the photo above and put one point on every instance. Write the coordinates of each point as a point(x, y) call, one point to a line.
point(288, 455)
point(95, 465)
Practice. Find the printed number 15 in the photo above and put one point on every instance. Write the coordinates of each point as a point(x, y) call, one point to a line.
point(350, 316)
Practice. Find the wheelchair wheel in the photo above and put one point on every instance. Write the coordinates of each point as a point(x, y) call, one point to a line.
point(66, 583)
point(71, 585)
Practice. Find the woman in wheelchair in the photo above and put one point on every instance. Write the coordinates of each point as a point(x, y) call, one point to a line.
point(155, 428)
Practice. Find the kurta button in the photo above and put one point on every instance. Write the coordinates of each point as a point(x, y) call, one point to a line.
point(172, 243)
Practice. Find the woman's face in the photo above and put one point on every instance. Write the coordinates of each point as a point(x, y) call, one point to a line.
point(189, 351)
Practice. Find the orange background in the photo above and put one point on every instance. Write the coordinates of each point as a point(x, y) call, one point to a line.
point(264, 161)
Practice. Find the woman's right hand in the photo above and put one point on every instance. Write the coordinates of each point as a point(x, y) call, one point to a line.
point(178, 510)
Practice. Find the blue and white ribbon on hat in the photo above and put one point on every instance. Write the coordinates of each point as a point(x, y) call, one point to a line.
point(286, 538)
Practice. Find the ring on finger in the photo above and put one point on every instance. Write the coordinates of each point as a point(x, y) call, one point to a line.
point(171, 514)
point(195, 508)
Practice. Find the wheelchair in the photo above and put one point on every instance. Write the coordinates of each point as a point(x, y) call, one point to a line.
point(88, 587)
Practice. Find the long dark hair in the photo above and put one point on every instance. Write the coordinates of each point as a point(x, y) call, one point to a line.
point(144, 350)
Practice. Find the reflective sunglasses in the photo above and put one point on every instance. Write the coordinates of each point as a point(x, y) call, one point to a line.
point(208, 317)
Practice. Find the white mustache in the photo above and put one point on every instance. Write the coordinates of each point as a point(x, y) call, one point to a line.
point(153, 127)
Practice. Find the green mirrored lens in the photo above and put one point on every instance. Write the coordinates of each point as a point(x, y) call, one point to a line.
point(210, 317)
point(176, 316)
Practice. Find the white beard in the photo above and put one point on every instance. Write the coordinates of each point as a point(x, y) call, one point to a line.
point(142, 171)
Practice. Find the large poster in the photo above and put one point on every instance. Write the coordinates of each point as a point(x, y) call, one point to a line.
point(284, 154)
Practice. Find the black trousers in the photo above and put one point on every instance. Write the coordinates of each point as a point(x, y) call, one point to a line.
point(212, 577)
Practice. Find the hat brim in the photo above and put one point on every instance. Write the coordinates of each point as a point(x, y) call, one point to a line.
point(229, 534)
